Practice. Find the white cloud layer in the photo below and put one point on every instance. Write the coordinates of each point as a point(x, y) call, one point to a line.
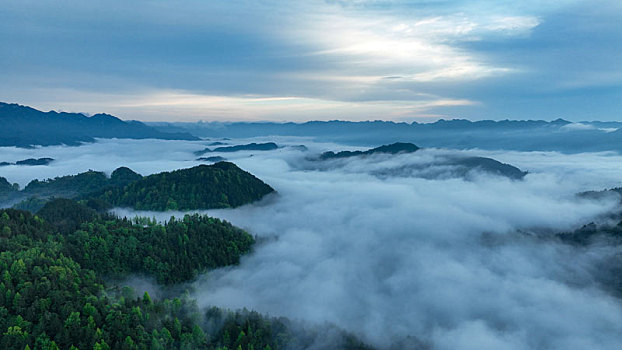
point(439, 260)
point(398, 257)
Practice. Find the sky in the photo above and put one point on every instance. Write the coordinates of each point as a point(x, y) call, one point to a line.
point(409, 60)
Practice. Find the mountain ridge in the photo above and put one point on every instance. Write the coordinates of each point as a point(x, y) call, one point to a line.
point(520, 135)
point(24, 126)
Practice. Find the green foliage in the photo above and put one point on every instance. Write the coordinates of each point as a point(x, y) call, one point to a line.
point(123, 176)
point(73, 186)
point(68, 186)
point(48, 300)
point(52, 295)
point(32, 204)
point(221, 185)
point(21, 226)
point(7, 189)
point(251, 330)
point(174, 252)
point(66, 215)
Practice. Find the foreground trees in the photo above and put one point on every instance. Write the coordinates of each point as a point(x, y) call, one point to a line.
point(53, 294)
point(51, 290)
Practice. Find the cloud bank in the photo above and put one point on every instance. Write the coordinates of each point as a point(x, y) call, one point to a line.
point(455, 264)
point(439, 260)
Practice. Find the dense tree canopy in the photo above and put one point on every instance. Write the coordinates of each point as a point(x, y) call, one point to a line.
point(221, 185)
point(123, 176)
point(6, 188)
point(66, 215)
point(68, 186)
point(174, 252)
point(52, 295)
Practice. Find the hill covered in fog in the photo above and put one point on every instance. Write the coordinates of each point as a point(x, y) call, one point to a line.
point(23, 126)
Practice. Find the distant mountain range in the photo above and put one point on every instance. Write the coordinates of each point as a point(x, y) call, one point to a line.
point(24, 127)
point(523, 135)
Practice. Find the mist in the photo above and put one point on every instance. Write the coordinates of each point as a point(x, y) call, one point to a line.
point(439, 260)
point(455, 263)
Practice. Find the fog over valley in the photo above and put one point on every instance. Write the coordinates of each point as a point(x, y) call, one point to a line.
point(416, 262)
point(311, 175)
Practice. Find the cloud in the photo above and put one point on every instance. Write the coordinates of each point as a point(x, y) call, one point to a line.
point(457, 264)
point(401, 257)
point(439, 260)
point(464, 57)
point(184, 106)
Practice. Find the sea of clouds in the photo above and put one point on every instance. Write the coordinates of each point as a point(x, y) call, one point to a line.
point(455, 263)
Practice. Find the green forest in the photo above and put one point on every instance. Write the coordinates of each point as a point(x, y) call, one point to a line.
point(220, 185)
point(53, 291)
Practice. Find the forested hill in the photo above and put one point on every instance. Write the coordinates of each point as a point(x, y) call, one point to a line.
point(53, 294)
point(220, 185)
point(268, 146)
point(173, 252)
point(37, 192)
point(6, 187)
point(24, 126)
point(394, 148)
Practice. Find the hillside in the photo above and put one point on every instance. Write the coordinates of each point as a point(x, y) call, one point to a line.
point(490, 166)
point(220, 185)
point(24, 127)
point(55, 290)
point(6, 189)
point(394, 148)
point(54, 296)
point(30, 162)
point(268, 146)
point(68, 186)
